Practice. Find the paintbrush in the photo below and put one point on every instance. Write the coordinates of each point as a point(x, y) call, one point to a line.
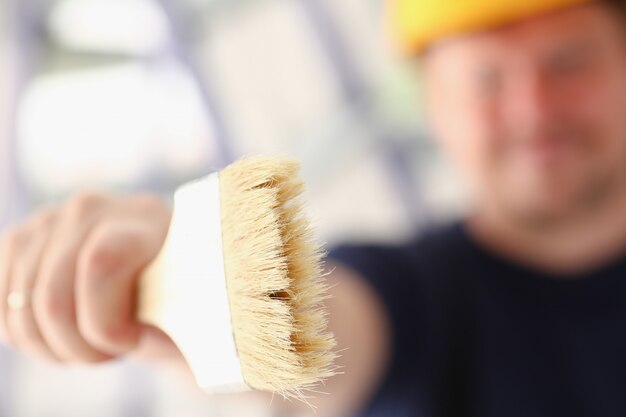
point(238, 284)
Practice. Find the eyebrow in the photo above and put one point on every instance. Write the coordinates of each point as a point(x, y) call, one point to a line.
point(578, 42)
point(584, 46)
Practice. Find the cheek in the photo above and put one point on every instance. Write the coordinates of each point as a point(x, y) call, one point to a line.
point(462, 123)
point(601, 108)
point(462, 130)
point(615, 114)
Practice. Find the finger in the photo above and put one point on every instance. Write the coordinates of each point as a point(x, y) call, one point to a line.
point(23, 327)
point(8, 245)
point(53, 294)
point(109, 265)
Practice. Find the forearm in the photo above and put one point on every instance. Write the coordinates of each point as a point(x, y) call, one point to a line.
point(360, 325)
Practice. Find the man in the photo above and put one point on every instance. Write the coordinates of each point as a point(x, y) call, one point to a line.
point(517, 310)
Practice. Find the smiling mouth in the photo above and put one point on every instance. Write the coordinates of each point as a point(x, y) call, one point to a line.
point(545, 153)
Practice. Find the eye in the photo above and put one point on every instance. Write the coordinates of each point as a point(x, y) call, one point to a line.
point(569, 61)
point(487, 80)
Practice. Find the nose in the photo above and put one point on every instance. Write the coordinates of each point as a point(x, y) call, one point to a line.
point(528, 103)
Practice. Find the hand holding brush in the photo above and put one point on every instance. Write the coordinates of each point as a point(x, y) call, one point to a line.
point(234, 279)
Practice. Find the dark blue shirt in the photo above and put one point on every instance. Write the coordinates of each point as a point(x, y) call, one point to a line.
point(476, 335)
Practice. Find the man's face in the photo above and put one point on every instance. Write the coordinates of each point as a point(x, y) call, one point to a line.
point(534, 114)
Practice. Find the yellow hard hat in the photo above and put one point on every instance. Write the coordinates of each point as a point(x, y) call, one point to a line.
point(416, 23)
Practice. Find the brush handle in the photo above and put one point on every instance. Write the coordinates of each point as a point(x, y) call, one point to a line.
point(183, 291)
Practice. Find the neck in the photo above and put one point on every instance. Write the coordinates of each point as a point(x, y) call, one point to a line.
point(575, 245)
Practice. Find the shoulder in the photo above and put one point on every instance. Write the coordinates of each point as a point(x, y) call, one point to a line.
point(436, 247)
point(408, 276)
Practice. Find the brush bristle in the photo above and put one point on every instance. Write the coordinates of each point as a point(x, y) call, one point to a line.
point(274, 277)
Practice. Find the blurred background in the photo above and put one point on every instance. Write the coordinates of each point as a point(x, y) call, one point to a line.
point(134, 95)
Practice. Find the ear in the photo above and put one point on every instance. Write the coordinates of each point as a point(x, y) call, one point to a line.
point(433, 118)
